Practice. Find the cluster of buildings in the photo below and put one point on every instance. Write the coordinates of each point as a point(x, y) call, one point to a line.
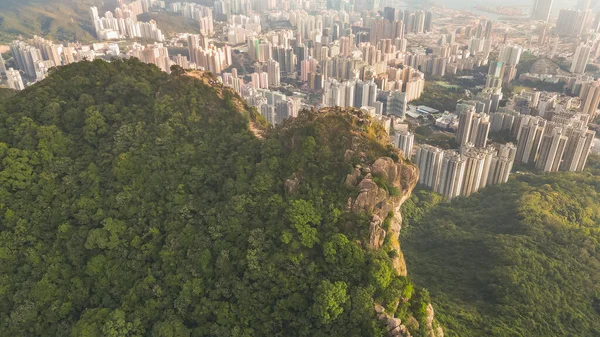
point(550, 130)
point(34, 58)
point(201, 14)
point(454, 173)
point(373, 56)
point(123, 23)
point(273, 105)
point(11, 76)
point(552, 140)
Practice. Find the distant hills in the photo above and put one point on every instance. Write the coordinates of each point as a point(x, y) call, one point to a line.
point(64, 20)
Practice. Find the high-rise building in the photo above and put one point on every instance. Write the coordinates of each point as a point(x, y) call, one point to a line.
point(590, 98)
point(14, 79)
point(502, 164)
point(567, 23)
point(397, 104)
point(2, 66)
point(510, 54)
point(474, 169)
point(541, 10)
point(28, 59)
point(67, 55)
point(429, 160)
point(552, 149)
point(466, 113)
point(578, 149)
point(274, 73)
point(406, 141)
point(452, 174)
point(480, 129)
point(495, 75)
point(530, 137)
point(580, 59)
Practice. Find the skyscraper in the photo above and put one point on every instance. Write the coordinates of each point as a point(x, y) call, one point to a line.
point(495, 75)
point(566, 25)
point(397, 104)
point(552, 149)
point(530, 137)
point(452, 174)
point(480, 130)
point(474, 167)
point(406, 141)
point(466, 113)
point(578, 149)
point(274, 73)
point(541, 10)
point(580, 59)
point(590, 97)
point(429, 161)
point(510, 54)
point(28, 59)
point(14, 79)
point(2, 66)
point(501, 164)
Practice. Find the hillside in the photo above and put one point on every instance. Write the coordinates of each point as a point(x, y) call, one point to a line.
point(134, 203)
point(519, 259)
point(62, 20)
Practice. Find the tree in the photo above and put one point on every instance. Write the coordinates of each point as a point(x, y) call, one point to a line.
point(329, 299)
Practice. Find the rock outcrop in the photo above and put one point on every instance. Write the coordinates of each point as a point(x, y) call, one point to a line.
point(382, 188)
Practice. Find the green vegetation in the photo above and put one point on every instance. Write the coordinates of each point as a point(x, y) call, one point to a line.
point(133, 203)
point(428, 134)
point(63, 20)
point(6, 93)
point(525, 62)
point(516, 85)
point(502, 137)
point(440, 97)
point(519, 259)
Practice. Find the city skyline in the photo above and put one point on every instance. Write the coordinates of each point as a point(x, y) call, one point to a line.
point(378, 60)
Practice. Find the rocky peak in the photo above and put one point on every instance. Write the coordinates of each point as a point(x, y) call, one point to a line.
point(382, 189)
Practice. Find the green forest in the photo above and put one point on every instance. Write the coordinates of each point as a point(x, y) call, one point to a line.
point(518, 259)
point(136, 203)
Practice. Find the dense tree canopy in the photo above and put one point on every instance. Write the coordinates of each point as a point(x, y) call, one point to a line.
point(519, 259)
point(133, 203)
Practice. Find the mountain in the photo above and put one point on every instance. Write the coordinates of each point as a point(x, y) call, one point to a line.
point(519, 259)
point(62, 20)
point(135, 203)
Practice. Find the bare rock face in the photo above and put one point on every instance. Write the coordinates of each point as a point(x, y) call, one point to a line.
point(377, 233)
point(352, 178)
point(382, 189)
point(430, 330)
point(291, 185)
point(394, 326)
point(370, 196)
point(396, 182)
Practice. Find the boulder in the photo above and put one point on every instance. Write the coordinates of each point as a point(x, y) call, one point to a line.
point(352, 178)
point(376, 233)
point(393, 323)
point(291, 185)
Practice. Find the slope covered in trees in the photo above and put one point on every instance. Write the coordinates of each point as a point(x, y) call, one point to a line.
point(133, 203)
point(519, 259)
point(63, 20)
